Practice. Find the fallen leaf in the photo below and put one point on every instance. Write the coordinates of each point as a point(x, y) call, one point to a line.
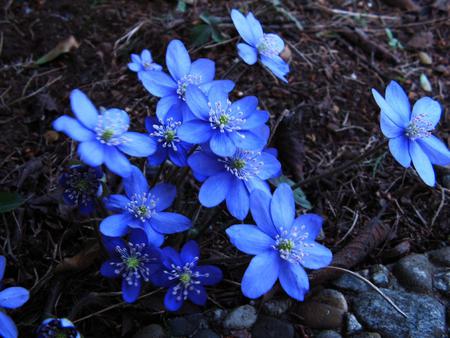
point(61, 48)
point(84, 259)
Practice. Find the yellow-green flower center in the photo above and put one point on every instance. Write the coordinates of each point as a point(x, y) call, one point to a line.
point(132, 262)
point(107, 135)
point(239, 164)
point(286, 245)
point(82, 185)
point(185, 278)
point(170, 135)
point(224, 119)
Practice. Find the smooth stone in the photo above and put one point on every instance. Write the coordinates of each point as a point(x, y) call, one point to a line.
point(242, 317)
point(328, 334)
point(351, 323)
point(414, 273)
point(269, 327)
point(151, 331)
point(351, 283)
point(441, 256)
point(206, 333)
point(367, 335)
point(276, 307)
point(185, 326)
point(320, 316)
point(426, 315)
point(441, 282)
point(331, 297)
point(379, 274)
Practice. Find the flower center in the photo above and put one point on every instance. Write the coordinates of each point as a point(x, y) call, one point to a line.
point(239, 164)
point(419, 127)
point(244, 164)
point(142, 206)
point(291, 244)
point(110, 127)
point(185, 278)
point(223, 118)
point(268, 46)
point(81, 185)
point(132, 262)
point(167, 134)
point(185, 82)
point(286, 245)
point(107, 135)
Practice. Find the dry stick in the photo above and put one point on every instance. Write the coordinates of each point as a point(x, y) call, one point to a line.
point(340, 168)
point(229, 70)
point(371, 285)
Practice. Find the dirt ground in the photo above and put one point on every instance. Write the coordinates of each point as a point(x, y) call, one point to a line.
point(325, 117)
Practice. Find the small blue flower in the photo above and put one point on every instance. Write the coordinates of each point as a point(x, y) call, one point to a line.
point(409, 133)
point(57, 328)
point(10, 298)
point(184, 278)
point(267, 46)
point(172, 89)
point(134, 262)
point(164, 131)
point(104, 137)
point(224, 125)
point(142, 208)
point(282, 244)
point(233, 178)
point(143, 63)
point(82, 185)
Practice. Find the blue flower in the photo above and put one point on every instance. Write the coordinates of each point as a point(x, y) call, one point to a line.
point(172, 89)
point(56, 328)
point(10, 298)
point(134, 262)
point(164, 131)
point(233, 178)
point(142, 208)
point(282, 244)
point(409, 133)
point(267, 46)
point(224, 125)
point(184, 278)
point(104, 137)
point(82, 185)
point(143, 63)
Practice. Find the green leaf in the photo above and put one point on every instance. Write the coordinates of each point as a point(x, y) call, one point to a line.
point(299, 195)
point(200, 34)
point(10, 201)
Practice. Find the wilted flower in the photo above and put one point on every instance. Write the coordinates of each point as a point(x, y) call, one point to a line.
point(143, 63)
point(409, 133)
point(184, 278)
point(134, 262)
point(104, 137)
point(10, 298)
point(142, 208)
point(281, 243)
point(57, 328)
point(267, 46)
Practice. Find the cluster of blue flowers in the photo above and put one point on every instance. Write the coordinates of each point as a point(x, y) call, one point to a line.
point(224, 144)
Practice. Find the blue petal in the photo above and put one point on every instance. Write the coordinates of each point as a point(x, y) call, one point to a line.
point(177, 59)
point(222, 143)
point(238, 200)
point(137, 236)
point(195, 131)
point(247, 53)
point(115, 225)
point(136, 183)
point(197, 102)
point(146, 56)
point(249, 239)
point(294, 280)
point(389, 128)
point(130, 293)
point(158, 157)
point(214, 190)
point(92, 153)
point(247, 140)
point(164, 104)
point(179, 157)
point(256, 119)
point(430, 110)
point(218, 95)
point(246, 106)
point(277, 41)
point(117, 162)
point(205, 164)
point(260, 208)
point(399, 147)
point(2, 267)
point(169, 222)
point(398, 100)
point(243, 27)
point(271, 166)
point(136, 58)
point(116, 202)
point(137, 144)
point(388, 110)
point(261, 274)
point(170, 257)
point(7, 327)
point(165, 193)
point(111, 244)
point(205, 68)
point(316, 256)
point(211, 275)
point(158, 83)
point(115, 119)
point(154, 237)
point(227, 85)
point(255, 183)
point(134, 67)
point(309, 224)
point(435, 149)
point(190, 252)
point(73, 129)
point(108, 270)
point(282, 208)
point(83, 109)
point(13, 297)
point(171, 300)
point(255, 27)
point(422, 164)
point(198, 295)
point(276, 65)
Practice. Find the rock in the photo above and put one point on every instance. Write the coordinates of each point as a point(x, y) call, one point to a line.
point(206, 333)
point(351, 323)
point(441, 282)
point(269, 327)
point(441, 256)
point(320, 316)
point(276, 307)
point(426, 315)
point(186, 326)
point(242, 317)
point(350, 282)
point(331, 297)
point(414, 273)
point(218, 315)
point(425, 58)
point(366, 335)
point(328, 334)
point(379, 274)
point(151, 331)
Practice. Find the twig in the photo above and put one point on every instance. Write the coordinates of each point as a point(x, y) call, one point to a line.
point(35, 92)
point(280, 9)
point(441, 205)
point(277, 123)
point(230, 69)
point(349, 230)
